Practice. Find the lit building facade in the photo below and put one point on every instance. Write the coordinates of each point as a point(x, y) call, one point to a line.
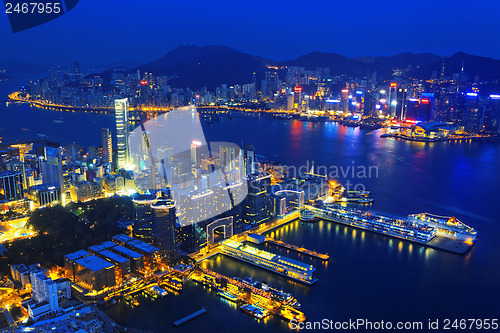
point(122, 133)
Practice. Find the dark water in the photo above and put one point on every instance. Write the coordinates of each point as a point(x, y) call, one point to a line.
point(369, 275)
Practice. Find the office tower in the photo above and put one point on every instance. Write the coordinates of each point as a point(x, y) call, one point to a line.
point(51, 167)
point(143, 221)
point(11, 186)
point(492, 114)
point(472, 115)
point(393, 102)
point(401, 104)
point(107, 146)
point(249, 158)
point(164, 226)
point(76, 69)
point(121, 114)
point(271, 83)
point(18, 166)
point(257, 205)
point(72, 152)
point(229, 158)
point(196, 153)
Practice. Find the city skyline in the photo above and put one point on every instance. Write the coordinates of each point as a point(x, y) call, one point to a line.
point(249, 166)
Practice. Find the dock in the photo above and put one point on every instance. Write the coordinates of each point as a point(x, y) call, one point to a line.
point(299, 249)
point(190, 317)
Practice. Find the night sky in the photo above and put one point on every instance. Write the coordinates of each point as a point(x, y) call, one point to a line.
point(98, 32)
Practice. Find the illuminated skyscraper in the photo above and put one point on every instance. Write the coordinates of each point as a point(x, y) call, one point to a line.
point(163, 226)
point(121, 114)
point(107, 147)
point(196, 153)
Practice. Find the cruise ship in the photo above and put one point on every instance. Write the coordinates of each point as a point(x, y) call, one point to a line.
point(282, 265)
point(446, 226)
point(402, 228)
point(446, 233)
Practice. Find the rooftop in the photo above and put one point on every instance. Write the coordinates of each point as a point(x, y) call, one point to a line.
point(113, 256)
point(77, 255)
point(122, 238)
point(94, 263)
point(127, 252)
point(102, 246)
point(141, 246)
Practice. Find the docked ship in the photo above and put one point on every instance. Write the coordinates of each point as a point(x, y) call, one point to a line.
point(449, 227)
point(279, 295)
point(227, 295)
point(307, 215)
point(159, 291)
point(421, 228)
point(402, 228)
point(288, 267)
point(255, 311)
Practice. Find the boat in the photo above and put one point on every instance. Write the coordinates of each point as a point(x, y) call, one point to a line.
point(227, 295)
point(365, 200)
point(370, 126)
point(279, 295)
point(307, 215)
point(159, 291)
point(254, 310)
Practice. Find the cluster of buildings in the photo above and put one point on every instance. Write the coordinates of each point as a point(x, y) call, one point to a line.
point(50, 297)
point(110, 265)
point(468, 102)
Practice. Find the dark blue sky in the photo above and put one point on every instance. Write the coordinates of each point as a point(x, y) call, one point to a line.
point(103, 31)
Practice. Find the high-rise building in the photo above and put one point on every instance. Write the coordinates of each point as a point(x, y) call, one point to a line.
point(249, 158)
point(143, 222)
point(122, 133)
point(51, 167)
point(164, 222)
point(76, 69)
point(11, 186)
point(229, 159)
point(196, 153)
point(46, 294)
point(257, 205)
point(107, 146)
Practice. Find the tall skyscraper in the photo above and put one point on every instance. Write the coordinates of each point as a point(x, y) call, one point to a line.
point(164, 226)
point(51, 167)
point(107, 145)
point(121, 114)
point(196, 153)
point(257, 206)
point(76, 69)
point(143, 222)
point(11, 186)
point(249, 158)
point(229, 158)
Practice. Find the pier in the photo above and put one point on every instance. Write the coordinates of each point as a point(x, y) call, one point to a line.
point(299, 249)
point(190, 317)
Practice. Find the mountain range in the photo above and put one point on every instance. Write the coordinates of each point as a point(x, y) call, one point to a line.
point(212, 65)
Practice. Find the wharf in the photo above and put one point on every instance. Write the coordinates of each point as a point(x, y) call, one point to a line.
point(299, 249)
point(190, 317)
